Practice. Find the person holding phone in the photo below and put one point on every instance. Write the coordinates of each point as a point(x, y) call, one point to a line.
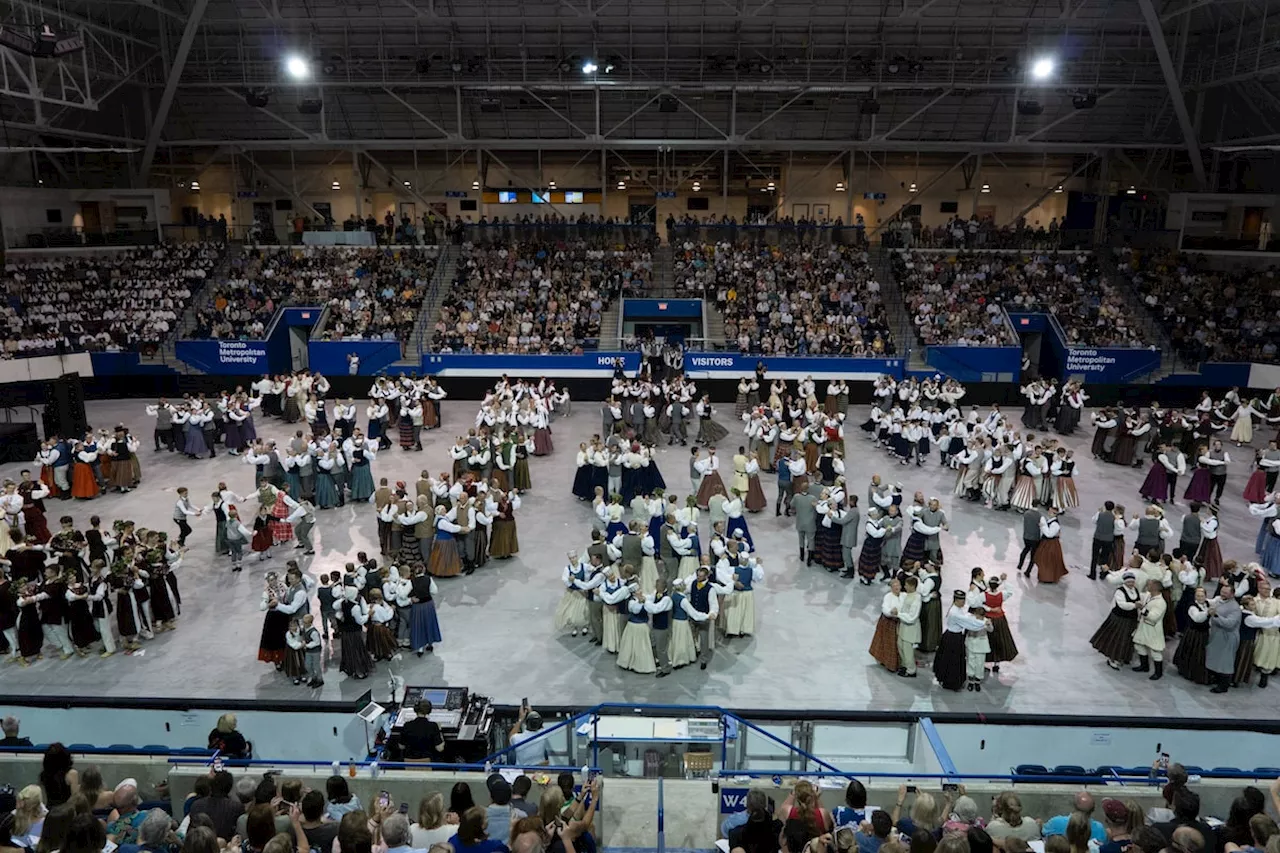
point(527, 727)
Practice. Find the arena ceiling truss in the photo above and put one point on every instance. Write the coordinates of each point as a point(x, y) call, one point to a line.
point(170, 81)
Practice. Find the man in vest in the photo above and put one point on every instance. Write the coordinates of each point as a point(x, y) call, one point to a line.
point(933, 516)
point(630, 545)
point(672, 548)
point(784, 487)
point(62, 468)
point(1189, 540)
point(1218, 459)
point(164, 424)
point(595, 606)
point(909, 627)
point(423, 486)
point(1152, 531)
point(702, 609)
point(677, 411)
point(273, 468)
point(1030, 539)
point(661, 610)
point(1104, 539)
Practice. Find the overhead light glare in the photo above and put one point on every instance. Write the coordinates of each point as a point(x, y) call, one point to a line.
point(195, 186)
point(1131, 191)
point(839, 186)
point(336, 185)
point(297, 67)
point(1042, 68)
point(1059, 189)
point(589, 67)
point(912, 188)
point(986, 188)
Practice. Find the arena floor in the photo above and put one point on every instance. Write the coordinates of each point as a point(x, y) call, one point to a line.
point(813, 628)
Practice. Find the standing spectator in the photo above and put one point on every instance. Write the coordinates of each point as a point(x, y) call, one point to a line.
point(498, 813)
point(430, 828)
point(528, 727)
point(320, 833)
point(220, 807)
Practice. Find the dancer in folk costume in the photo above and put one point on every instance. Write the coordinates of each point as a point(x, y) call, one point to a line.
point(1263, 479)
point(710, 433)
point(1065, 497)
point(884, 642)
point(1114, 638)
point(709, 471)
point(994, 599)
point(574, 610)
point(950, 664)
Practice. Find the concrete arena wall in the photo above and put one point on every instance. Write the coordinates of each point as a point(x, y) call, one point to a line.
point(628, 815)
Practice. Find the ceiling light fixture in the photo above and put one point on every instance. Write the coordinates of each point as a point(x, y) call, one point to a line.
point(1059, 189)
point(406, 183)
point(839, 186)
point(551, 184)
point(986, 188)
point(475, 185)
point(1131, 191)
point(195, 186)
point(589, 67)
point(1042, 68)
point(336, 185)
point(912, 188)
point(297, 67)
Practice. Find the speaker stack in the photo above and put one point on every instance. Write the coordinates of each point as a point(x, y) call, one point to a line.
point(64, 408)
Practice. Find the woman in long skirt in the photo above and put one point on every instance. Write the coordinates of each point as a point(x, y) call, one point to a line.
point(755, 499)
point(326, 492)
point(1200, 488)
point(275, 624)
point(1114, 637)
point(362, 487)
point(826, 542)
point(220, 546)
point(1156, 487)
point(635, 645)
point(740, 617)
point(710, 433)
point(573, 613)
point(711, 485)
point(505, 542)
point(1050, 566)
point(542, 444)
point(872, 545)
point(84, 485)
point(295, 658)
point(446, 558)
point(520, 479)
point(1210, 553)
point(949, 664)
point(355, 661)
point(884, 642)
point(281, 529)
point(406, 433)
point(262, 538)
point(680, 648)
point(1190, 656)
point(424, 623)
point(379, 641)
point(1190, 579)
point(1003, 647)
point(583, 482)
point(931, 613)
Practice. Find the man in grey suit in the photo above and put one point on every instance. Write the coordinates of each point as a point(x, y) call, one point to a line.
point(850, 522)
point(806, 523)
point(1030, 539)
point(1224, 637)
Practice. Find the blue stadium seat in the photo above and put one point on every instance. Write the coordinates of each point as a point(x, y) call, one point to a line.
point(1030, 770)
point(80, 747)
point(1138, 771)
point(1269, 772)
point(1226, 770)
point(1110, 770)
point(41, 746)
point(121, 747)
point(156, 749)
point(193, 750)
point(1070, 770)
point(1193, 770)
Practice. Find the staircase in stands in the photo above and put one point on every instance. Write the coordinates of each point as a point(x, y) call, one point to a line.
point(904, 333)
point(186, 323)
point(424, 329)
point(1152, 330)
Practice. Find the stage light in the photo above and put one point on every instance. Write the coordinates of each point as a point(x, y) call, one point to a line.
point(406, 183)
point(551, 184)
point(1131, 191)
point(1042, 69)
point(195, 186)
point(839, 186)
point(456, 66)
point(986, 188)
point(475, 185)
point(912, 188)
point(336, 185)
point(589, 67)
point(697, 187)
point(297, 67)
point(1059, 189)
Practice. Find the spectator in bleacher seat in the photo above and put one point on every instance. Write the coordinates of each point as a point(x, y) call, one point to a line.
point(124, 821)
point(1120, 820)
point(473, 834)
point(460, 800)
point(126, 301)
point(94, 791)
point(227, 739)
point(430, 828)
point(1187, 839)
point(341, 801)
point(9, 726)
point(1083, 804)
point(528, 727)
point(155, 834)
point(200, 839)
point(802, 804)
point(755, 800)
point(854, 810)
point(924, 841)
point(1262, 829)
point(755, 829)
point(1147, 839)
point(881, 827)
point(57, 775)
point(320, 833)
point(354, 834)
point(220, 806)
point(1008, 820)
point(1186, 815)
point(964, 814)
point(8, 802)
point(28, 816)
point(396, 834)
point(498, 812)
point(926, 813)
point(519, 793)
point(86, 834)
point(980, 841)
point(265, 794)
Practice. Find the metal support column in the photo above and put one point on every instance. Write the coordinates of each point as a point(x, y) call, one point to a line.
point(977, 184)
point(170, 87)
point(1156, 30)
point(355, 181)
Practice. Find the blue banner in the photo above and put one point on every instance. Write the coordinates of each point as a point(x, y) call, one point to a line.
point(633, 309)
point(332, 357)
point(597, 365)
point(126, 364)
point(222, 358)
point(1111, 366)
point(728, 365)
point(976, 364)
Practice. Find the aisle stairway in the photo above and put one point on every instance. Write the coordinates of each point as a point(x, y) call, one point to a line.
point(186, 322)
point(441, 285)
point(1152, 330)
point(664, 283)
point(904, 334)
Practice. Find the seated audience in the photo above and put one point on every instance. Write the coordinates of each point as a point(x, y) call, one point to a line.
point(9, 726)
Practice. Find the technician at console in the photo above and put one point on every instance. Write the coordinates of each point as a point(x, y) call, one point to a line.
point(421, 737)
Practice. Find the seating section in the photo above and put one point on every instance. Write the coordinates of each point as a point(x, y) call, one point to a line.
point(538, 296)
point(372, 294)
point(974, 233)
point(816, 300)
point(118, 302)
point(956, 299)
point(1210, 315)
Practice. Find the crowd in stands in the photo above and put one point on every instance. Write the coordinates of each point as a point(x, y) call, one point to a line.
point(1210, 315)
point(908, 232)
point(538, 296)
point(72, 811)
point(957, 299)
point(372, 294)
point(805, 300)
point(119, 302)
point(952, 823)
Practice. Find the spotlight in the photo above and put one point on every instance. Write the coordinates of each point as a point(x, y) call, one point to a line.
point(336, 186)
point(912, 188)
point(406, 183)
point(1059, 189)
point(589, 67)
point(40, 181)
point(551, 184)
point(839, 186)
point(297, 68)
point(610, 65)
point(986, 188)
point(621, 185)
point(697, 187)
point(1042, 68)
point(770, 185)
point(475, 185)
point(195, 186)
point(1131, 191)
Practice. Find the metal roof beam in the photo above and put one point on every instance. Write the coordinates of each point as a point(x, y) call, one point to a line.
point(1175, 89)
point(171, 87)
point(572, 144)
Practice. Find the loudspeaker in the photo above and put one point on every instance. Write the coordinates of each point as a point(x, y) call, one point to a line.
point(64, 408)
